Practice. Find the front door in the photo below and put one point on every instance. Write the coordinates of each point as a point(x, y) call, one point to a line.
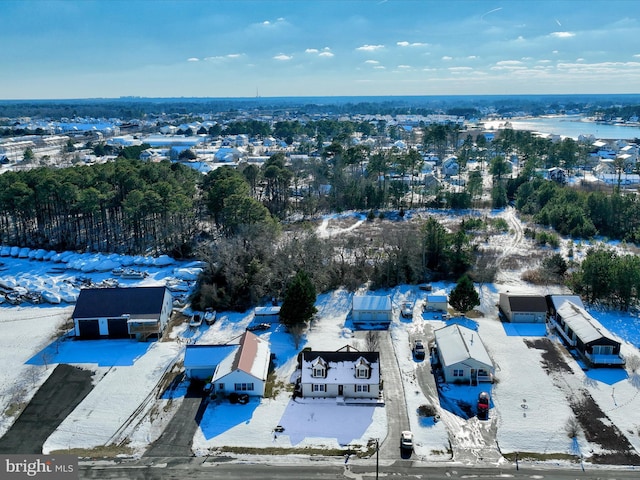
point(340, 390)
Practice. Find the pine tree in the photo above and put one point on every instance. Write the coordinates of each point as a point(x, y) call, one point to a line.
point(298, 306)
point(464, 297)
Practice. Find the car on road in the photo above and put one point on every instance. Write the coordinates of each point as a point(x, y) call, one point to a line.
point(406, 440)
point(418, 348)
point(407, 310)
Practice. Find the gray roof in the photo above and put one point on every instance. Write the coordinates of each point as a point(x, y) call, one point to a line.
point(116, 302)
point(457, 344)
point(527, 303)
point(587, 328)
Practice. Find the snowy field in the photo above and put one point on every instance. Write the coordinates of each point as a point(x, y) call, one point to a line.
point(530, 407)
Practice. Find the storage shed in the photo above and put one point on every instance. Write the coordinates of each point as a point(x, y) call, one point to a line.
point(436, 303)
point(373, 310)
point(523, 308)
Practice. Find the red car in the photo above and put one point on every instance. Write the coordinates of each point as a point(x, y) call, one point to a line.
point(483, 406)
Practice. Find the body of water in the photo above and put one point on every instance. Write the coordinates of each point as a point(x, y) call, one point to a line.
point(569, 126)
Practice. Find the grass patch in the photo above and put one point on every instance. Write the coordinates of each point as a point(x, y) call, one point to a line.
point(14, 409)
point(325, 452)
point(536, 456)
point(105, 451)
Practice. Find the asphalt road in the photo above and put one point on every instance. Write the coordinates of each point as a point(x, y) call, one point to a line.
point(55, 399)
point(319, 469)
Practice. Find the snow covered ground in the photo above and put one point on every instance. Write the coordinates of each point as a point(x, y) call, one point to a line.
point(530, 407)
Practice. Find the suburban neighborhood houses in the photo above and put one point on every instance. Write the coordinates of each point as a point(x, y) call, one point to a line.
point(401, 370)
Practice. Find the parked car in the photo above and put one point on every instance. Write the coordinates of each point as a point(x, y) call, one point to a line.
point(483, 406)
point(195, 320)
point(418, 349)
point(210, 316)
point(407, 310)
point(406, 440)
point(241, 398)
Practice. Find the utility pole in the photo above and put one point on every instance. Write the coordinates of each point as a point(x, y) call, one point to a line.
point(377, 463)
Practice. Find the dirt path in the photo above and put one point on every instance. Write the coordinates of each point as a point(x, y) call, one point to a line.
point(47, 409)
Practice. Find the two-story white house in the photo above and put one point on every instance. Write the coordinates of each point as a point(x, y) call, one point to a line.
point(344, 374)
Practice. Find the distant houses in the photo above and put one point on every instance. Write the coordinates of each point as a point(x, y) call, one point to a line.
point(136, 312)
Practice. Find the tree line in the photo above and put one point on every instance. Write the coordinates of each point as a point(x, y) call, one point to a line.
point(125, 206)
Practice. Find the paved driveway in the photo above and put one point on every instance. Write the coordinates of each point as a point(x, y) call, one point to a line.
point(65, 388)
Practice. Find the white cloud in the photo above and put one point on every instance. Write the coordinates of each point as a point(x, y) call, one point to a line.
point(409, 44)
point(282, 57)
point(193, 59)
point(404, 67)
point(370, 48)
point(563, 34)
point(447, 58)
point(372, 62)
point(509, 63)
point(326, 52)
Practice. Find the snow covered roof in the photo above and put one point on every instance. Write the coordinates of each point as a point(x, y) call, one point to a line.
point(206, 355)
point(457, 344)
point(587, 328)
point(116, 302)
point(340, 366)
point(558, 300)
point(371, 302)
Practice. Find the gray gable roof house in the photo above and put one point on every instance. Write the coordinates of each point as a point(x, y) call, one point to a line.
point(585, 334)
point(122, 312)
point(462, 356)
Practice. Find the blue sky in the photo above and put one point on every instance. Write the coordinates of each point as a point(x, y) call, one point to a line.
point(240, 48)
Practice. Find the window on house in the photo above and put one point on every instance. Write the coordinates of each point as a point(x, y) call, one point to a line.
point(243, 387)
point(362, 388)
point(458, 372)
point(318, 372)
point(363, 372)
point(221, 386)
point(603, 350)
point(319, 387)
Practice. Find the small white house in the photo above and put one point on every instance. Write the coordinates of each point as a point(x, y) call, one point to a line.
point(462, 356)
point(374, 310)
point(240, 368)
point(246, 371)
point(436, 303)
point(344, 374)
